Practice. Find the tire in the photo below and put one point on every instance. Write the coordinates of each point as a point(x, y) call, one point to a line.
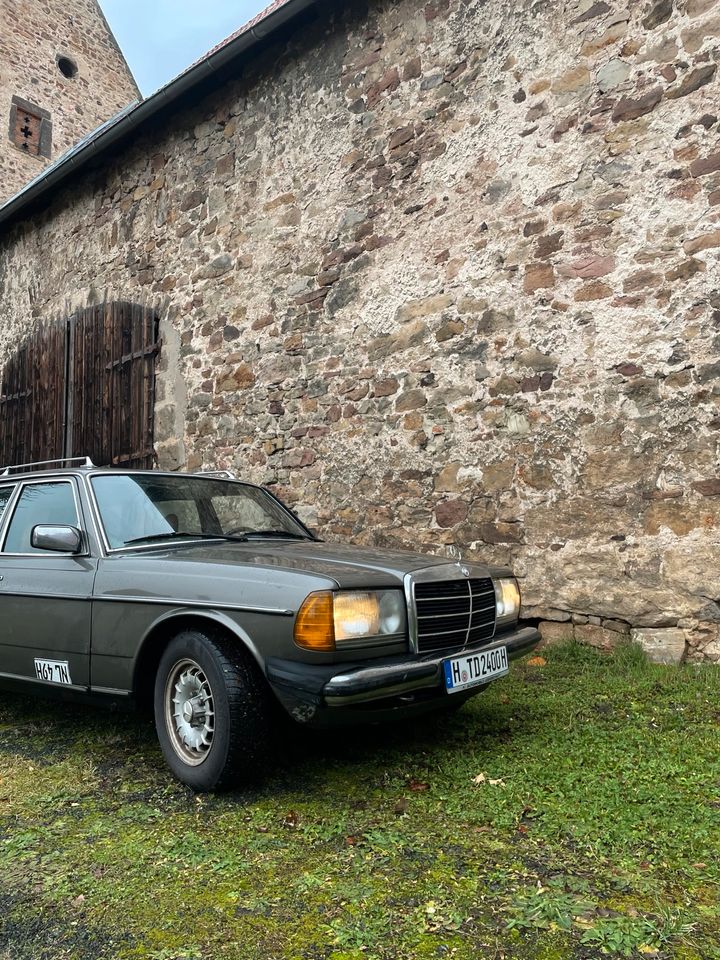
point(212, 711)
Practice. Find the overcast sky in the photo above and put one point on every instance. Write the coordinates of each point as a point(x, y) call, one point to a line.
point(161, 37)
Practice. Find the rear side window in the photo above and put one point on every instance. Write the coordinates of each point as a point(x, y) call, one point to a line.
point(5, 494)
point(39, 503)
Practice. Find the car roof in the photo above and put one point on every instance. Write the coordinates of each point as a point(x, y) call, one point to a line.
point(9, 474)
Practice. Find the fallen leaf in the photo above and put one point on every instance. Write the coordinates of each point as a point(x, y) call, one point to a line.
point(418, 786)
point(79, 901)
point(291, 820)
point(537, 662)
point(401, 806)
point(481, 778)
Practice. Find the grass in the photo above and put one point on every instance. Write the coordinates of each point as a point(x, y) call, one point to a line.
point(572, 811)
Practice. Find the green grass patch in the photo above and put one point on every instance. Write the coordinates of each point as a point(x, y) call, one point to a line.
point(571, 811)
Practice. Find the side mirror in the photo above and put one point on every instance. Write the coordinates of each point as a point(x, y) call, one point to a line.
point(56, 538)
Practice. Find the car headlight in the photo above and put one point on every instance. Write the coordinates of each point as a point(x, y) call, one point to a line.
point(507, 600)
point(349, 618)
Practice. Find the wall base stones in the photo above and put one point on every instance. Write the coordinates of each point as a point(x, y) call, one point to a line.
point(668, 645)
point(443, 288)
point(553, 633)
point(662, 646)
point(604, 635)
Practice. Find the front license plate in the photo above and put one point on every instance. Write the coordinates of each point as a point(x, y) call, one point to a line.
point(475, 669)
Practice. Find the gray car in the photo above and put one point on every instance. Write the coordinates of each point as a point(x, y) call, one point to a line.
point(209, 598)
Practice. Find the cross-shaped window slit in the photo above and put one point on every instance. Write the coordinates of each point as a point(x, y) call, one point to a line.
point(31, 132)
point(27, 133)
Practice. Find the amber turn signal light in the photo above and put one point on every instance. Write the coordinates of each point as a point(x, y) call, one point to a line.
point(315, 623)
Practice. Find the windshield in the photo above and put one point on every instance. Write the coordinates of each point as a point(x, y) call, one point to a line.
point(141, 508)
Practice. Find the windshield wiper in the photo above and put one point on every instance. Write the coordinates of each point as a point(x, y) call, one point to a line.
point(240, 538)
point(279, 534)
point(171, 536)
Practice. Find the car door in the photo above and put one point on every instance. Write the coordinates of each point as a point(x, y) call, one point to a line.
point(45, 597)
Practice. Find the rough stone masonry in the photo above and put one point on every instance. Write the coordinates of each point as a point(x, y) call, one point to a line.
point(39, 39)
point(444, 273)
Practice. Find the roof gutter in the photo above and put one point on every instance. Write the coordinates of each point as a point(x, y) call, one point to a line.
point(125, 123)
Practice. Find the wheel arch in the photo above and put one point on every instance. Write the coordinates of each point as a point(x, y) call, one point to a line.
point(159, 635)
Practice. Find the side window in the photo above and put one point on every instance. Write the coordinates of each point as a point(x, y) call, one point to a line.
point(5, 494)
point(39, 503)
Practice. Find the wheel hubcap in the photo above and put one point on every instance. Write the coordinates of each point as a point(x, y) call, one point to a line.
point(189, 712)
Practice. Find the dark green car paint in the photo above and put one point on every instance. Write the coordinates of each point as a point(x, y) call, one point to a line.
point(107, 612)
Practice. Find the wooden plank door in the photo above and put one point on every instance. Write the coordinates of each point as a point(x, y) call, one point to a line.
point(113, 349)
point(32, 398)
point(83, 387)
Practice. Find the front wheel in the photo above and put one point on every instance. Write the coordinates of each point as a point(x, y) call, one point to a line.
point(212, 711)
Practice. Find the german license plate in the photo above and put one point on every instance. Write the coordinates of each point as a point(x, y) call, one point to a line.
point(475, 669)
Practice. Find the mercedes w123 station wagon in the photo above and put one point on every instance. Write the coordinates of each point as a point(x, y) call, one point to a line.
point(208, 598)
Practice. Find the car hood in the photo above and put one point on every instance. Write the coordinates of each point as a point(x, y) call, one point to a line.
point(347, 564)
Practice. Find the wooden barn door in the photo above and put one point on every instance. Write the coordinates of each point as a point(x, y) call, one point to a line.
point(83, 387)
point(111, 385)
point(32, 399)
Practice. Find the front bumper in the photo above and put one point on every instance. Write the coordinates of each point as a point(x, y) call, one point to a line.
point(305, 689)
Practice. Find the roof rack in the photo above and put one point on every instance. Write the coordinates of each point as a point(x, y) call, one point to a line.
point(6, 471)
point(217, 474)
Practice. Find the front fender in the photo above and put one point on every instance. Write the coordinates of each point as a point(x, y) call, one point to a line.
point(170, 623)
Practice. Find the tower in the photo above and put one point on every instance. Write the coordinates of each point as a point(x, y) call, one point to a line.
point(62, 74)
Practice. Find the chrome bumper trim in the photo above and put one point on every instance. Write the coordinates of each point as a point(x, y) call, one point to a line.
point(378, 683)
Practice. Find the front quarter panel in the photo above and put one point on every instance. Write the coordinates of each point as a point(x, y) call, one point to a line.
point(135, 593)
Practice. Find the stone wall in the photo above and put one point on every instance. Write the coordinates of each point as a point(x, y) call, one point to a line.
point(446, 274)
point(33, 34)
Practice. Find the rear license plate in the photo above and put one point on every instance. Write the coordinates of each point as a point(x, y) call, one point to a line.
point(475, 669)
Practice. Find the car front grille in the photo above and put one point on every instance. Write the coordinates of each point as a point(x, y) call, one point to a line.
point(454, 613)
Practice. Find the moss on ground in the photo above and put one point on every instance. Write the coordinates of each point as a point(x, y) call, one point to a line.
point(572, 811)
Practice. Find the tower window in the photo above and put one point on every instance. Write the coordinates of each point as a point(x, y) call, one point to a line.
point(67, 67)
point(30, 128)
